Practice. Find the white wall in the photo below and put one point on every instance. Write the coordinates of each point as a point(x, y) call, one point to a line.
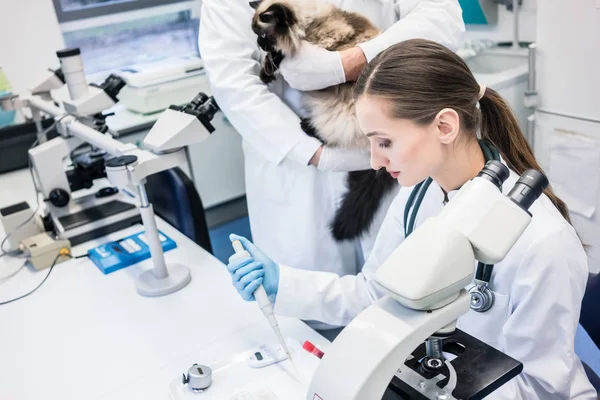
point(30, 36)
point(503, 30)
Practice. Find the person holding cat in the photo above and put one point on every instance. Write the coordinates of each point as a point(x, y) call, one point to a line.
point(423, 111)
point(293, 182)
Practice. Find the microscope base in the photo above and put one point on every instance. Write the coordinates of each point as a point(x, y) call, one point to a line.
point(147, 284)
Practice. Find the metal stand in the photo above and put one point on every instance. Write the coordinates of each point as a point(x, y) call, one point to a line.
point(160, 280)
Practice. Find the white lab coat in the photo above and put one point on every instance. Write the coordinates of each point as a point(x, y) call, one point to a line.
point(538, 291)
point(291, 204)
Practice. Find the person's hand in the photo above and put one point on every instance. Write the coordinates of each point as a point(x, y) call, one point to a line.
point(249, 273)
point(341, 160)
point(312, 68)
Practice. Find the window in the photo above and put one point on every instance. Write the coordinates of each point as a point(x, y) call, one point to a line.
point(113, 34)
point(73, 10)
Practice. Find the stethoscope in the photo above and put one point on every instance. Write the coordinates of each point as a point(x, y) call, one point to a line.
point(482, 297)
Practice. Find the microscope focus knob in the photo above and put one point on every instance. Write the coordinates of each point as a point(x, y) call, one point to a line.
point(482, 298)
point(59, 197)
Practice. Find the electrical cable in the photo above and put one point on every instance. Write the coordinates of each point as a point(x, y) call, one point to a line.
point(4, 278)
point(64, 252)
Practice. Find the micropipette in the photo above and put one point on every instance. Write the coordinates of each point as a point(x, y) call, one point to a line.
point(261, 298)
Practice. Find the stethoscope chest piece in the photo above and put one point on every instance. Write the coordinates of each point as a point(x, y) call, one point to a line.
point(482, 298)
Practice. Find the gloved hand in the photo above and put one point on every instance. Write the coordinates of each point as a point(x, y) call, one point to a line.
point(312, 68)
point(344, 160)
point(248, 274)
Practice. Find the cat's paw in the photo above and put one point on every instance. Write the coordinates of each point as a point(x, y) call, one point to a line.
point(266, 77)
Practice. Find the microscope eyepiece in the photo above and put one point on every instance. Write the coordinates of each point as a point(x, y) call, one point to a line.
point(495, 172)
point(198, 101)
point(112, 86)
point(528, 188)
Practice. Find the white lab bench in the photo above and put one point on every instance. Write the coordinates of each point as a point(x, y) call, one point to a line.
point(85, 335)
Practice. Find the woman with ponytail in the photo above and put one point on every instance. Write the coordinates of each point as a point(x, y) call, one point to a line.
point(432, 127)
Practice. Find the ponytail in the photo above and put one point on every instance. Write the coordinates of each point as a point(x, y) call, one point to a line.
point(419, 78)
point(499, 125)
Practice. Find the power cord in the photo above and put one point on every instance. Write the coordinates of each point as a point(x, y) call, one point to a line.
point(4, 278)
point(64, 252)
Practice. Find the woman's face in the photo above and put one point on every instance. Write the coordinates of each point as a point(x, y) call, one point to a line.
point(408, 151)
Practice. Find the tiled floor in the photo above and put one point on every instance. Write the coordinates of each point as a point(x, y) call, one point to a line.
point(219, 237)
point(587, 350)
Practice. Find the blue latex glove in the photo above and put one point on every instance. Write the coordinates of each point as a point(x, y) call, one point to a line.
point(248, 274)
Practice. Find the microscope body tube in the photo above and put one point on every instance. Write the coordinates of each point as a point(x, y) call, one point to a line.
point(72, 68)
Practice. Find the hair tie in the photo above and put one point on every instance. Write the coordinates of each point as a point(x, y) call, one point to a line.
point(482, 89)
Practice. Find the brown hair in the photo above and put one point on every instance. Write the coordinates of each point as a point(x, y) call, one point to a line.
point(421, 77)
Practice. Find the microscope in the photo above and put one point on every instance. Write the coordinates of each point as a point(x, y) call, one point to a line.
point(395, 348)
point(64, 168)
point(85, 99)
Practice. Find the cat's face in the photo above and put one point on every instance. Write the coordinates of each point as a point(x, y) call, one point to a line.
point(273, 23)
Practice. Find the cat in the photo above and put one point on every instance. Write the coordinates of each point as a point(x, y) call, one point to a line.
point(280, 26)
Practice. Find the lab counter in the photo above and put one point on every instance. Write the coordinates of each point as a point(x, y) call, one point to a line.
point(83, 334)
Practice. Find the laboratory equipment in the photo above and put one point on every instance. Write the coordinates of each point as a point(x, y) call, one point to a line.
point(89, 100)
point(266, 355)
point(42, 249)
point(75, 210)
point(198, 377)
point(53, 79)
point(154, 88)
point(78, 214)
point(425, 278)
point(261, 297)
point(71, 66)
point(234, 378)
point(178, 127)
point(97, 98)
point(122, 253)
point(314, 350)
point(482, 297)
point(19, 223)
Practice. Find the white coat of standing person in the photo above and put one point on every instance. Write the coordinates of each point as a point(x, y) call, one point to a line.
point(292, 192)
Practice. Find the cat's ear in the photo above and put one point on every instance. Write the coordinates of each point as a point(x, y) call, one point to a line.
point(255, 4)
point(283, 14)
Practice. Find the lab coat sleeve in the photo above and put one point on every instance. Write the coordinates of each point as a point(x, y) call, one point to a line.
point(545, 304)
point(437, 20)
point(232, 62)
point(334, 300)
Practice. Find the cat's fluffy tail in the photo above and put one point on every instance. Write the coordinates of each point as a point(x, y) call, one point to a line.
point(366, 190)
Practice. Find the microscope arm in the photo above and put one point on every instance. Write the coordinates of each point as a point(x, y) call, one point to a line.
point(148, 163)
point(69, 126)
